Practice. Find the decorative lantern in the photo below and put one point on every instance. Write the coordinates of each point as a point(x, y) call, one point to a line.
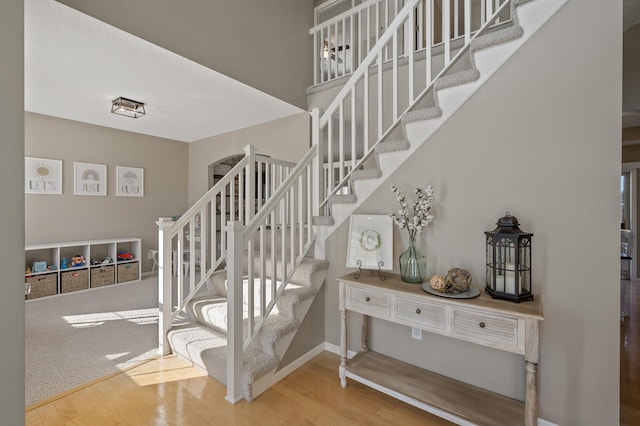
point(509, 261)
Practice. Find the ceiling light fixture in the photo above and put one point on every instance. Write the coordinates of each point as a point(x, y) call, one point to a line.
point(127, 107)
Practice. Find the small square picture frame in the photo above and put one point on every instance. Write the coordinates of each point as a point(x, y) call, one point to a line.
point(42, 176)
point(370, 244)
point(129, 181)
point(90, 179)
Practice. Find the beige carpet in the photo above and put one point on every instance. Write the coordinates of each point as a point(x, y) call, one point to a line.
point(74, 338)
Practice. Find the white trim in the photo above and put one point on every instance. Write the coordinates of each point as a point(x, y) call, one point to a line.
point(291, 367)
point(542, 422)
point(329, 347)
point(633, 167)
point(325, 5)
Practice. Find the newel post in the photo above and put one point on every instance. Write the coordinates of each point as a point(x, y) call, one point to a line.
point(235, 340)
point(318, 183)
point(318, 169)
point(165, 301)
point(250, 183)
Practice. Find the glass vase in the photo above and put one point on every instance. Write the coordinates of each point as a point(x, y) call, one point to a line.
point(413, 265)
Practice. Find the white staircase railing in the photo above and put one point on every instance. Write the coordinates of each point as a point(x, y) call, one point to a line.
point(262, 258)
point(341, 43)
point(394, 76)
point(194, 246)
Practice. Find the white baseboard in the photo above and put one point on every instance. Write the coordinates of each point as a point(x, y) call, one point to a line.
point(545, 423)
point(281, 374)
point(330, 347)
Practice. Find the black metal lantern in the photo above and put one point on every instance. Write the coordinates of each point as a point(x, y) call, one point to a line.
point(509, 261)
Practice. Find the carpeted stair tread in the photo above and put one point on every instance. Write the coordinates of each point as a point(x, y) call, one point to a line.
point(302, 274)
point(201, 346)
point(210, 311)
point(420, 115)
point(457, 79)
point(497, 37)
point(366, 174)
point(301, 277)
point(392, 146)
point(274, 327)
point(291, 296)
point(323, 220)
point(343, 199)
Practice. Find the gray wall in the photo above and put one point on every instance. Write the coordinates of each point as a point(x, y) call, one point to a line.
point(265, 44)
point(283, 139)
point(512, 147)
point(69, 217)
point(12, 211)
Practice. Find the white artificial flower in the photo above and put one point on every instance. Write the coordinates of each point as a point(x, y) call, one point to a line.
point(421, 217)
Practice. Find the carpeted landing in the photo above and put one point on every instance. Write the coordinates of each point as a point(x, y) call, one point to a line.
point(75, 338)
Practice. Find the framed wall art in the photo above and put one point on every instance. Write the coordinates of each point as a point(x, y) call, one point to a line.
point(370, 242)
point(42, 176)
point(90, 179)
point(129, 181)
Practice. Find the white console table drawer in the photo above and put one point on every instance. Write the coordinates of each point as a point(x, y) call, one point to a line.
point(367, 301)
point(484, 328)
point(421, 313)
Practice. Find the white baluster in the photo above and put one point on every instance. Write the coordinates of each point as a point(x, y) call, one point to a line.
point(446, 31)
point(412, 48)
point(250, 192)
point(234, 310)
point(341, 141)
point(380, 105)
point(467, 21)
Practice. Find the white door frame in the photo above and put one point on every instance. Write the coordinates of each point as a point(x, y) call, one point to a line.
point(632, 168)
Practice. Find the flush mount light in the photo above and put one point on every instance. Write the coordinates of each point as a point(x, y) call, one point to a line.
point(127, 107)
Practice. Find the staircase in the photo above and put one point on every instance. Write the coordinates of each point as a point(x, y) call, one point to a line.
point(240, 269)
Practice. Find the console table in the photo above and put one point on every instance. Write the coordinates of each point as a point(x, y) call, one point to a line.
point(484, 321)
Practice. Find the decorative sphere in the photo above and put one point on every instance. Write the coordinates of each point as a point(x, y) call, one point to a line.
point(437, 282)
point(458, 280)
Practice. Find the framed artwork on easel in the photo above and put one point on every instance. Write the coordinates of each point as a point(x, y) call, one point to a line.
point(370, 243)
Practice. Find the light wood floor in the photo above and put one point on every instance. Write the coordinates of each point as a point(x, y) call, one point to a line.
point(167, 391)
point(630, 360)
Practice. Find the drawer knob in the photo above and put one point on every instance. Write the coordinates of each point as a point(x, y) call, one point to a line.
point(482, 325)
point(418, 311)
point(367, 299)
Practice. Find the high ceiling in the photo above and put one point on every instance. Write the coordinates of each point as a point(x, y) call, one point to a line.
point(76, 65)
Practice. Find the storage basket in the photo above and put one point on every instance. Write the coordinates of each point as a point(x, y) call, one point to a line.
point(128, 272)
point(102, 275)
point(77, 279)
point(42, 285)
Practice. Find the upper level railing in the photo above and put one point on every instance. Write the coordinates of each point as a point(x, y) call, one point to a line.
point(341, 43)
point(194, 246)
point(392, 78)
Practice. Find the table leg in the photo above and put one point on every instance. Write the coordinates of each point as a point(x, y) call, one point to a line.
point(531, 395)
point(364, 337)
point(531, 355)
point(343, 349)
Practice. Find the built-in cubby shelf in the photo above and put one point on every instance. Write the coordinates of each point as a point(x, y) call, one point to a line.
point(45, 275)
